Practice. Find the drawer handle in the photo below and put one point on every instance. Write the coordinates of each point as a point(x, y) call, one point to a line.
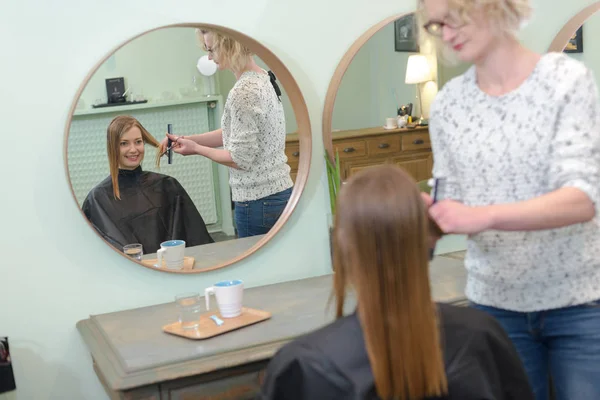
point(296, 153)
point(383, 145)
point(418, 141)
point(349, 149)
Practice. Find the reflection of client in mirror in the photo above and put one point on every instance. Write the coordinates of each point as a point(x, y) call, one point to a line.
point(136, 206)
point(252, 136)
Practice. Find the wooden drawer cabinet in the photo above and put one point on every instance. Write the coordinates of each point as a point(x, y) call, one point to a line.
point(363, 148)
point(419, 166)
point(292, 151)
point(408, 148)
point(348, 149)
point(416, 141)
point(383, 145)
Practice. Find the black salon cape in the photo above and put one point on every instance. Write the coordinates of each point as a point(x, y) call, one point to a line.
point(153, 208)
point(332, 363)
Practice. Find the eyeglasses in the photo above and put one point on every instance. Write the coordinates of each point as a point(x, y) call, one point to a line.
point(436, 28)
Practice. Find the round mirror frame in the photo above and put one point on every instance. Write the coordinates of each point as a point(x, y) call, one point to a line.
point(568, 30)
point(338, 75)
point(302, 119)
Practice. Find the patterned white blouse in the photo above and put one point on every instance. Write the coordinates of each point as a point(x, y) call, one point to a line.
point(253, 126)
point(540, 137)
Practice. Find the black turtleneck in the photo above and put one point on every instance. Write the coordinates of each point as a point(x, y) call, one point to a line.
point(127, 175)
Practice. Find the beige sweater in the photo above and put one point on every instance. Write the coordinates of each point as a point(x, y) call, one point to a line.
point(253, 126)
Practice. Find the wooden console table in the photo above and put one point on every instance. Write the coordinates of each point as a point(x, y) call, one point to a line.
point(409, 148)
point(135, 359)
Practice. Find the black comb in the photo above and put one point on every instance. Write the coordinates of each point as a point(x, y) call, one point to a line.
point(438, 192)
point(169, 145)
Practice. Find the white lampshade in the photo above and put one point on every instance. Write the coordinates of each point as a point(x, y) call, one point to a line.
point(206, 67)
point(417, 69)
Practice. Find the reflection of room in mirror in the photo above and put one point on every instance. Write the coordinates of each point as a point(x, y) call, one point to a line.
point(577, 37)
point(164, 83)
point(389, 77)
point(373, 87)
point(575, 45)
point(581, 45)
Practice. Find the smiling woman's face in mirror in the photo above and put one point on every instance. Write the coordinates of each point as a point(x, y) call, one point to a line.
point(120, 172)
point(131, 148)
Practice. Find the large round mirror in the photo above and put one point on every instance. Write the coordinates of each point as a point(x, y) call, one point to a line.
point(227, 178)
point(378, 101)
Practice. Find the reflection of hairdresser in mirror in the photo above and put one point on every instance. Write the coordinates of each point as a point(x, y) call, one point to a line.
point(252, 136)
point(136, 206)
point(517, 137)
point(398, 343)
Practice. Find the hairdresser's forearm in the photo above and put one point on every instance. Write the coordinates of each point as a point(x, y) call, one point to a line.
point(220, 156)
point(208, 139)
point(563, 207)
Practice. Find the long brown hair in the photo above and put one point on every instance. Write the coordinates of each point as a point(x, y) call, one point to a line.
point(380, 249)
point(117, 127)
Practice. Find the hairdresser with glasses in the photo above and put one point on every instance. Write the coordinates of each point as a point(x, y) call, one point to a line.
point(398, 343)
point(252, 136)
point(517, 137)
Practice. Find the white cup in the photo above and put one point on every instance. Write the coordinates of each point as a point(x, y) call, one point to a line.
point(229, 294)
point(173, 252)
point(391, 123)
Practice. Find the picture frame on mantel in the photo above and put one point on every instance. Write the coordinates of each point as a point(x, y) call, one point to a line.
point(575, 44)
point(406, 34)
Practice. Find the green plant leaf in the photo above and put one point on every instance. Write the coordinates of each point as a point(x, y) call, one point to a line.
point(331, 184)
point(338, 178)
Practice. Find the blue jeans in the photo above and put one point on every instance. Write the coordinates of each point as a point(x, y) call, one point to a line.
point(563, 342)
point(257, 217)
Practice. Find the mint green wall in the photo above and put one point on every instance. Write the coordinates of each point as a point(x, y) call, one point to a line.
point(156, 65)
point(55, 270)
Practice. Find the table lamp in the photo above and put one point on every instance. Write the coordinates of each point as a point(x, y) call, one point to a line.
point(418, 72)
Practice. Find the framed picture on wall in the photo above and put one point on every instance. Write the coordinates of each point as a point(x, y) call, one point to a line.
point(406, 34)
point(575, 44)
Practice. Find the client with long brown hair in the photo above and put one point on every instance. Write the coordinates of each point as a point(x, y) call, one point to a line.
point(398, 343)
point(136, 206)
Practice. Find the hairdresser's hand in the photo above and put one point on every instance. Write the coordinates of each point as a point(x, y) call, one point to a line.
point(434, 231)
point(455, 217)
point(163, 145)
point(185, 147)
point(426, 199)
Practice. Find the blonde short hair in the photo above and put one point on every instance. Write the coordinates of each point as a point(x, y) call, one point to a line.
point(506, 16)
point(234, 54)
